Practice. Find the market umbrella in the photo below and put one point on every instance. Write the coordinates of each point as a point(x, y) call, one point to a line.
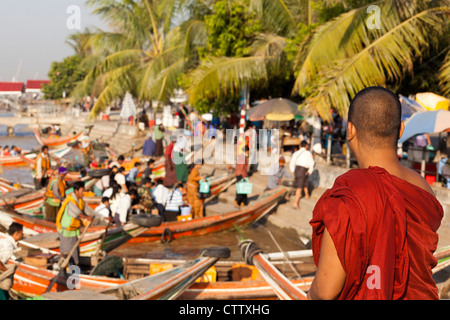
point(426, 122)
point(432, 101)
point(275, 110)
point(410, 107)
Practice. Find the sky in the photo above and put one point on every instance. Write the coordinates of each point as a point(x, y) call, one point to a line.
point(33, 34)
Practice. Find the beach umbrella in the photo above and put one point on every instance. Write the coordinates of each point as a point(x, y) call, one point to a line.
point(426, 122)
point(274, 110)
point(432, 101)
point(409, 107)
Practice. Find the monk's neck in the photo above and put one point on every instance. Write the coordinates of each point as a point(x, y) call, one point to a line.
point(384, 158)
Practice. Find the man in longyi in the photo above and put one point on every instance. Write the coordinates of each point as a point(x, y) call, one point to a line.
point(374, 231)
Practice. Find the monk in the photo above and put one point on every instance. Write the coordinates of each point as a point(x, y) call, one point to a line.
point(374, 231)
point(193, 184)
point(171, 174)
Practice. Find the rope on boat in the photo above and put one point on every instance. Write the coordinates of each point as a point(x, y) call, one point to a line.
point(249, 249)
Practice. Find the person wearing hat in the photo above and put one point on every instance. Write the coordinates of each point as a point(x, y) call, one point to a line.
point(277, 173)
point(171, 174)
point(55, 194)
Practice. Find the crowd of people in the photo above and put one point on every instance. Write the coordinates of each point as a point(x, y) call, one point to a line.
point(373, 233)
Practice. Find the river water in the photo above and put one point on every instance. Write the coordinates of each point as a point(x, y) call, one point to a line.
point(185, 248)
point(25, 139)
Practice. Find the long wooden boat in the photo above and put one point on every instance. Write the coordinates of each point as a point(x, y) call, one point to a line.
point(55, 143)
point(265, 203)
point(70, 176)
point(284, 288)
point(24, 157)
point(43, 233)
point(6, 186)
point(238, 290)
point(31, 281)
point(230, 280)
point(32, 203)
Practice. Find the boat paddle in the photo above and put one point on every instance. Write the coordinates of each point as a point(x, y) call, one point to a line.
point(64, 262)
point(99, 247)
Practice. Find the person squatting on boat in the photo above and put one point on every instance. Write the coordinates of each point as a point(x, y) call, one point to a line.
point(7, 247)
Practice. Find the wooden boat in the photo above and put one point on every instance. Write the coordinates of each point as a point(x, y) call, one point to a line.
point(12, 161)
point(31, 281)
point(43, 233)
point(237, 290)
point(265, 203)
point(32, 202)
point(228, 280)
point(70, 176)
point(284, 288)
point(6, 186)
point(55, 143)
point(22, 159)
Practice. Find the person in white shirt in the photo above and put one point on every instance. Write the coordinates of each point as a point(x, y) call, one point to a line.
point(124, 206)
point(120, 179)
point(101, 185)
point(174, 201)
point(8, 245)
point(159, 194)
point(103, 208)
point(302, 165)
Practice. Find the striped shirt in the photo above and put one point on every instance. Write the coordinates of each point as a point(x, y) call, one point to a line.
point(174, 200)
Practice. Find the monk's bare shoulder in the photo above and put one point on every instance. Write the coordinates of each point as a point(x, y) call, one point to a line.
point(414, 178)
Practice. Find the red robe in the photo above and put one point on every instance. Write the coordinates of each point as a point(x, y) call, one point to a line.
point(171, 174)
point(384, 230)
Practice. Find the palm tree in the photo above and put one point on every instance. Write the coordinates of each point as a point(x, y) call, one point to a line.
point(444, 75)
point(347, 54)
point(146, 51)
point(266, 57)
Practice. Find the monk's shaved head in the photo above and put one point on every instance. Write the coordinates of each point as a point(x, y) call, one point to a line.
point(376, 114)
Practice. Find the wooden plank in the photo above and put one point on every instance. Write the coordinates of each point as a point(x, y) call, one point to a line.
point(78, 295)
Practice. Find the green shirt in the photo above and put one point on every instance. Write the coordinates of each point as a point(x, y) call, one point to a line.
point(158, 134)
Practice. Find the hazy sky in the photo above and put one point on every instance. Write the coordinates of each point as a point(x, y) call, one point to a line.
point(35, 32)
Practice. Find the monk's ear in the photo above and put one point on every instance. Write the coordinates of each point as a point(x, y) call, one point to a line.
point(351, 131)
point(402, 128)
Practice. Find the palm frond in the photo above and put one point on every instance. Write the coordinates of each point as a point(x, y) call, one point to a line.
point(387, 58)
point(218, 76)
point(444, 75)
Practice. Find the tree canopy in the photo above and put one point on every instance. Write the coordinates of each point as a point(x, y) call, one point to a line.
point(319, 53)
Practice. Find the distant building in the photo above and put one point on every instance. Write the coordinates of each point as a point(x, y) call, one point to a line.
point(33, 89)
point(11, 90)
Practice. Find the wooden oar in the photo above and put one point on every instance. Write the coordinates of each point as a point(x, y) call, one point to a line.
point(62, 265)
point(99, 247)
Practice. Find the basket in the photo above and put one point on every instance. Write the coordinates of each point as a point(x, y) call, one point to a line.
point(244, 187)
